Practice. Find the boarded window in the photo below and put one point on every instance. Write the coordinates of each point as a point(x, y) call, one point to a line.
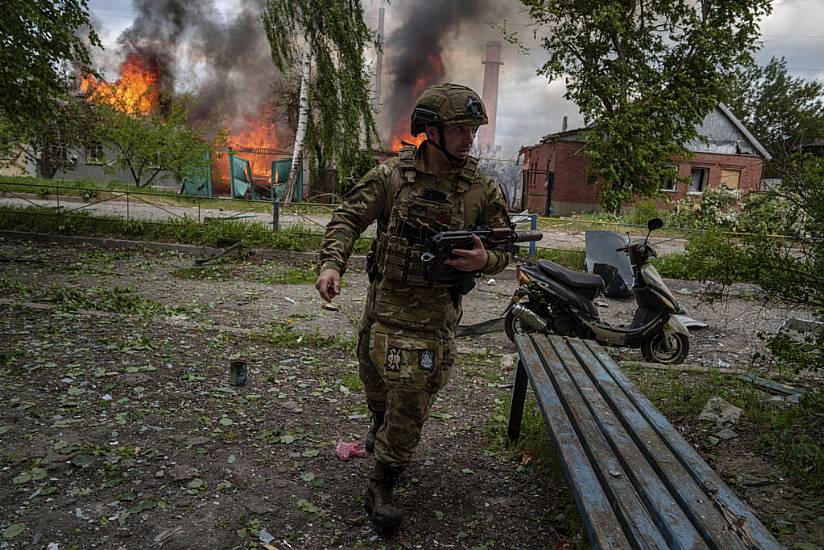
point(698, 180)
point(731, 179)
point(95, 154)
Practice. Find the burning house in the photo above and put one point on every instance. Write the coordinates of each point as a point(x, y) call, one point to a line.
point(221, 61)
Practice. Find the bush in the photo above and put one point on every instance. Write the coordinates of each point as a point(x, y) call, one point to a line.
point(717, 208)
point(642, 212)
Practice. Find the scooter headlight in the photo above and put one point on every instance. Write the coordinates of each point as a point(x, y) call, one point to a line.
point(523, 278)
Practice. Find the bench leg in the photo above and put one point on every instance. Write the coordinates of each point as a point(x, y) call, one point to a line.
point(516, 407)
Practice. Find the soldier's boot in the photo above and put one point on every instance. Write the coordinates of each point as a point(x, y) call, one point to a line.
point(377, 421)
point(378, 499)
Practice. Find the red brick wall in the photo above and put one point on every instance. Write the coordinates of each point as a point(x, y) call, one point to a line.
point(571, 193)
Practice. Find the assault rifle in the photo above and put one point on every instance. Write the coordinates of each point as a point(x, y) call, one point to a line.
point(445, 242)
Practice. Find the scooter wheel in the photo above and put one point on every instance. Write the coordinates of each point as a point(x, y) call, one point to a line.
point(655, 351)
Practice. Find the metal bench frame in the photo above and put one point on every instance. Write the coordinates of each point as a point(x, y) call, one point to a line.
point(637, 483)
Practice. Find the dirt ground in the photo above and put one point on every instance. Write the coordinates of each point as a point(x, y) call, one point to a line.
point(121, 431)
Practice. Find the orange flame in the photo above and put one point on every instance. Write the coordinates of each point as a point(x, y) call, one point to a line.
point(434, 74)
point(259, 134)
point(136, 92)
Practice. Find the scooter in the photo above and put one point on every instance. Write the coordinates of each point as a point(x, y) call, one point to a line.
point(553, 299)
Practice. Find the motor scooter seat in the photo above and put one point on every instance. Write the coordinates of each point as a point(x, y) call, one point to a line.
point(574, 279)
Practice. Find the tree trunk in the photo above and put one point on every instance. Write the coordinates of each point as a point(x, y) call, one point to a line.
point(300, 134)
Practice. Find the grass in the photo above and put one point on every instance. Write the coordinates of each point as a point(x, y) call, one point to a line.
point(116, 300)
point(189, 231)
point(99, 191)
point(286, 334)
point(791, 435)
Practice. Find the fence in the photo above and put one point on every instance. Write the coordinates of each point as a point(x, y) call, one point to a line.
point(154, 206)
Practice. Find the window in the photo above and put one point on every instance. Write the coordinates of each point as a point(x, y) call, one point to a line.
point(731, 179)
point(95, 154)
point(698, 180)
point(669, 182)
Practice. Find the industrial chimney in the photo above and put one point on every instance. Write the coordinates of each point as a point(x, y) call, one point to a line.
point(492, 63)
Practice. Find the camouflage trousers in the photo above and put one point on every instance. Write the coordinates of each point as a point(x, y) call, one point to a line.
point(402, 371)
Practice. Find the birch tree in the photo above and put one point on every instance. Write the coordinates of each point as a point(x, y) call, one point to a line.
point(338, 96)
point(303, 120)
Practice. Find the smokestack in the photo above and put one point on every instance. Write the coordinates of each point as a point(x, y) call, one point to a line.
point(492, 65)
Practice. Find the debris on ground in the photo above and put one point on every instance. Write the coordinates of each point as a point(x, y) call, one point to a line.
point(346, 451)
point(720, 411)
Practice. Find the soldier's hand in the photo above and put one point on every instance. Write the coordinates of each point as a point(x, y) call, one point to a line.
point(328, 284)
point(469, 260)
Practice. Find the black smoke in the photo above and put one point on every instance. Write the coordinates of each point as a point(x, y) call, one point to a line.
point(413, 49)
point(221, 57)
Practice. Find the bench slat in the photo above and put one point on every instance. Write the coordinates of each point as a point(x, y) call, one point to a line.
point(739, 514)
point(653, 495)
point(602, 526)
point(690, 497)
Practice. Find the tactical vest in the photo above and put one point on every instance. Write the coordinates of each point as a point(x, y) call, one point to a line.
point(402, 296)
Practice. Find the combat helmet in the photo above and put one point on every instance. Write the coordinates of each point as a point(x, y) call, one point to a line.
point(447, 105)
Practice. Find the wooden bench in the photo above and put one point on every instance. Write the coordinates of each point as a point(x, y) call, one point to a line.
point(636, 481)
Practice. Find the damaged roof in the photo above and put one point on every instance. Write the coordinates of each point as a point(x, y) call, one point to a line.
point(722, 131)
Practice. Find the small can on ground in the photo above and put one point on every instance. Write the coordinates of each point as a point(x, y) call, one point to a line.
point(237, 372)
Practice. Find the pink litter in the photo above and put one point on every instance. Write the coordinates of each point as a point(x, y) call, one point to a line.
point(345, 451)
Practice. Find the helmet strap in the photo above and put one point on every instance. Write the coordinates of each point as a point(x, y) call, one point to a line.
point(441, 145)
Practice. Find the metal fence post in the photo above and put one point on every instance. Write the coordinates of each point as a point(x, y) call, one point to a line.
point(275, 212)
point(198, 210)
point(533, 225)
point(57, 195)
point(127, 205)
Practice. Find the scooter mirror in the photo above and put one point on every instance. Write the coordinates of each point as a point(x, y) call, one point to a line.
point(655, 223)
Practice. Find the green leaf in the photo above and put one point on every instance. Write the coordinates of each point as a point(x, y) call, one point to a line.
point(4, 429)
point(231, 459)
point(38, 473)
point(20, 479)
point(311, 453)
point(226, 421)
point(442, 416)
point(82, 461)
point(468, 471)
point(307, 477)
point(307, 507)
point(439, 514)
point(287, 439)
point(13, 530)
point(74, 391)
point(196, 483)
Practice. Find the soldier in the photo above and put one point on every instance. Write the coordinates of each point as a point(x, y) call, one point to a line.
point(406, 340)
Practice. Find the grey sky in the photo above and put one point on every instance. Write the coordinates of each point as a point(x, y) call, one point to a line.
point(530, 107)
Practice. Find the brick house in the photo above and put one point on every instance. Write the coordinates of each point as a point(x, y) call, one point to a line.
point(554, 170)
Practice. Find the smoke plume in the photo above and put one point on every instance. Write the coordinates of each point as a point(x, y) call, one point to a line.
point(415, 49)
point(223, 58)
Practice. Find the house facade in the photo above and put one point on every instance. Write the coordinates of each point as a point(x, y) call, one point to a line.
point(555, 170)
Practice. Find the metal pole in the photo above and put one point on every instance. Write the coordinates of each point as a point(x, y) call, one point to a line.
point(275, 211)
point(57, 194)
point(198, 210)
point(533, 225)
point(127, 205)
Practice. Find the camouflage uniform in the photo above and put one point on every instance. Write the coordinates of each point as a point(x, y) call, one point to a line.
point(406, 346)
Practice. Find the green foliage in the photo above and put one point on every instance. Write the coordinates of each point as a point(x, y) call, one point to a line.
point(780, 110)
point(155, 142)
point(716, 209)
point(340, 102)
point(116, 300)
point(644, 74)
point(787, 270)
point(177, 230)
point(573, 259)
point(42, 42)
point(643, 211)
point(792, 435)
